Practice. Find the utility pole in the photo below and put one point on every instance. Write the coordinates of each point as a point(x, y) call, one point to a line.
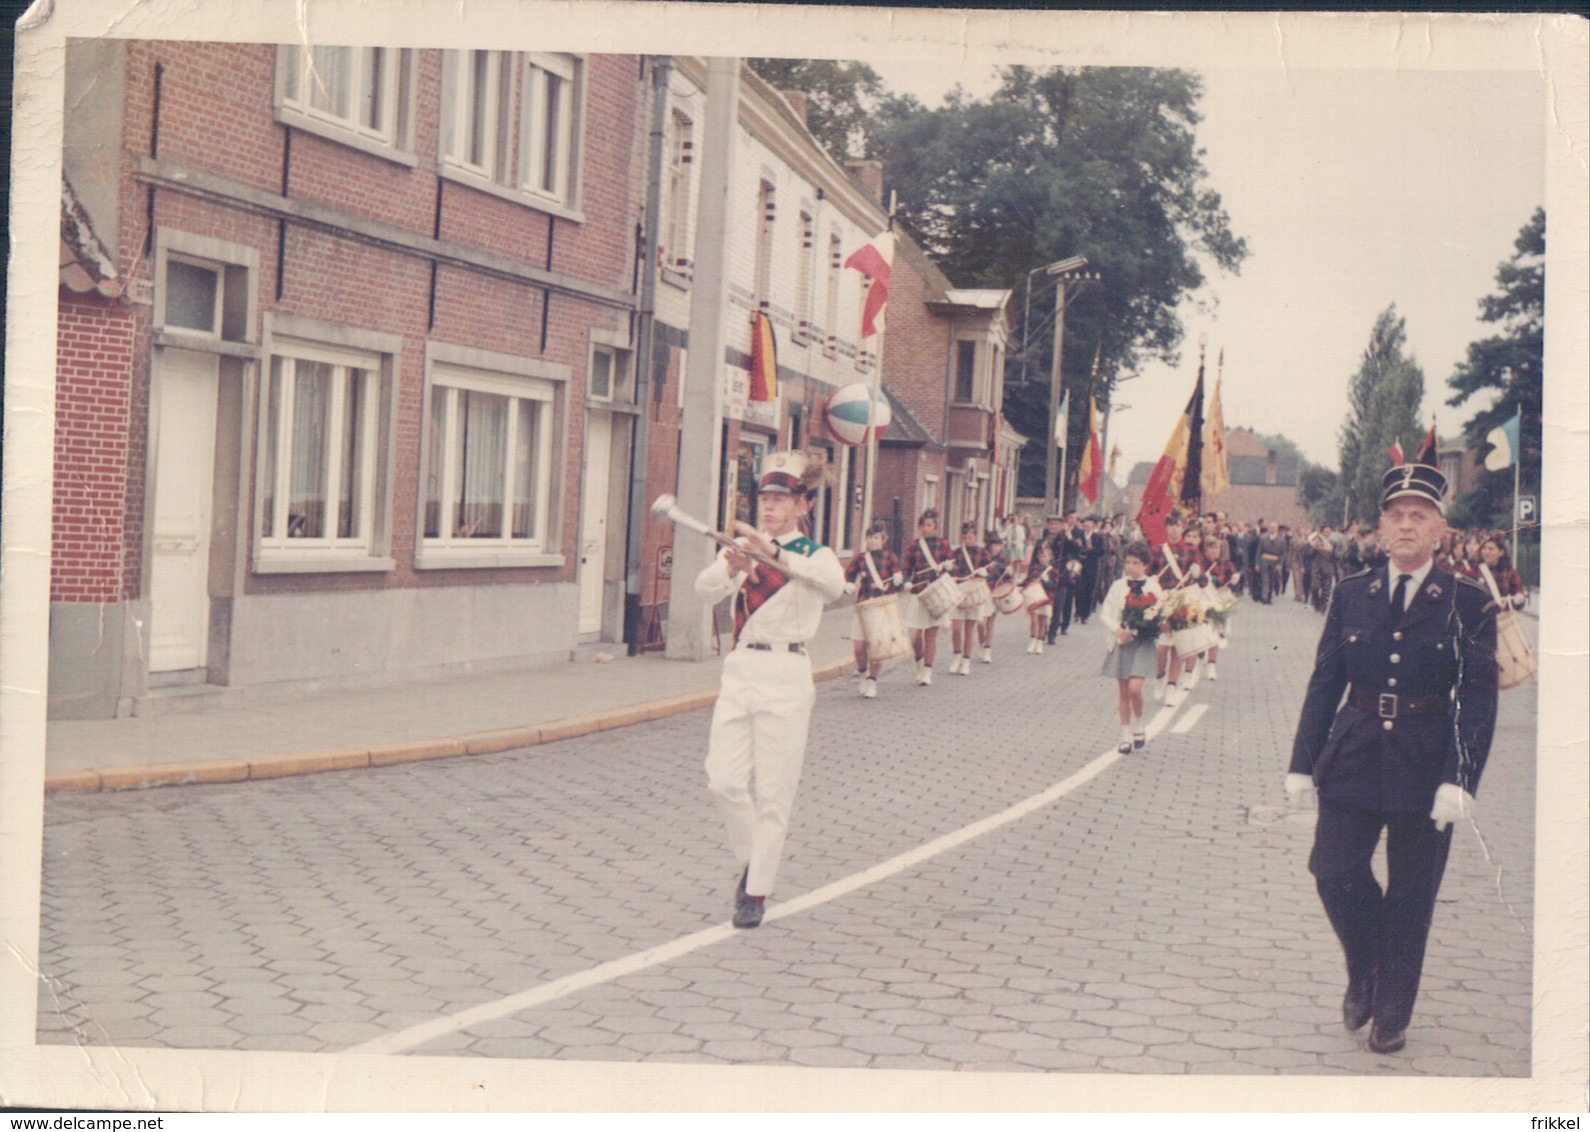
point(1069, 272)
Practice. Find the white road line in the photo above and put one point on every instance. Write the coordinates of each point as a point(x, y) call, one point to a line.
point(1187, 722)
point(413, 1036)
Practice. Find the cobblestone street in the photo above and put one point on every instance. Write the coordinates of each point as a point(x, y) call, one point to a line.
point(1154, 914)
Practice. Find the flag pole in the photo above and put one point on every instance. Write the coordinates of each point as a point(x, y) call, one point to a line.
point(1518, 465)
point(872, 408)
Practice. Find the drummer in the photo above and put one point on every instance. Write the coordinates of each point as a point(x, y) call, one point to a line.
point(1494, 558)
point(969, 566)
point(874, 573)
point(1169, 574)
point(1044, 573)
point(925, 559)
point(999, 570)
point(1221, 573)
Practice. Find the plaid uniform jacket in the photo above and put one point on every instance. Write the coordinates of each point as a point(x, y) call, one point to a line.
point(883, 561)
point(917, 571)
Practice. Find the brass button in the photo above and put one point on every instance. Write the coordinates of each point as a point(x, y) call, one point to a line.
point(1353, 639)
point(1397, 636)
point(1391, 683)
point(1396, 658)
point(1386, 725)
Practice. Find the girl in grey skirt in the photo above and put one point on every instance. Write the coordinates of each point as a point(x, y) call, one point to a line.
point(1131, 656)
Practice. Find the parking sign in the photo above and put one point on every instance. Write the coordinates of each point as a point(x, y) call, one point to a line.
point(1526, 510)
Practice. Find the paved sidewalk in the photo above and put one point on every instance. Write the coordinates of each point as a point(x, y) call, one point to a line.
point(264, 736)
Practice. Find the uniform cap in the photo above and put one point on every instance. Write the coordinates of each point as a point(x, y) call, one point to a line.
point(1420, 481)
point(782, 472)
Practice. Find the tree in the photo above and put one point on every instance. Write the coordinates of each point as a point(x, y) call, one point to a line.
point(1513, 364)
point(1101, 162)
point(846, 102)
point(1383, 403)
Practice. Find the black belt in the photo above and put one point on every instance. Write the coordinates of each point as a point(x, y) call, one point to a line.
point(796, 648)
point(1389, 706)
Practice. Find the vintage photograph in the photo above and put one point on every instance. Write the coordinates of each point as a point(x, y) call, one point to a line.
point(1017, 549)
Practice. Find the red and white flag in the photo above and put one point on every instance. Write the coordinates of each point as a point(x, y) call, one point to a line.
point(876, 261)
point(1395, 452)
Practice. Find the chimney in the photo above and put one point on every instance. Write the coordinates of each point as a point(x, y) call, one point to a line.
point(797, 103)
point(868, 175)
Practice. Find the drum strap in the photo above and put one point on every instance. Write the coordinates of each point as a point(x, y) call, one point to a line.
point(873, 570)
point(928, 554)
point(1490, 581)
point(966, 557)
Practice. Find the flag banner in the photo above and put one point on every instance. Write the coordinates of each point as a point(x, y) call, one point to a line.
point(876, 261)
point(1216, 477)
point(1092, 457)
point(1395, 452)
point(1429, 451)
point(1504, 444)
point(1062, 421)
point(1192, 478)
point(1167, 482)
point(764, 360)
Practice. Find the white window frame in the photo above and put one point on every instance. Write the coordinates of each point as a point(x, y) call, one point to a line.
point(390, 69)
point(218, 301)
point(543, 392)
point(275, 541)
point(459, 110)
point(531, 174)
point(835, 281)
point(675, 242)
point(805, 272)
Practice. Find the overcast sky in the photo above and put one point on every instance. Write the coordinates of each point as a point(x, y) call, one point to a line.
point(1354, 190)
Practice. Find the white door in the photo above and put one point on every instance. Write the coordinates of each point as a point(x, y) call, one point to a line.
point(179, 592)
point(593, 520)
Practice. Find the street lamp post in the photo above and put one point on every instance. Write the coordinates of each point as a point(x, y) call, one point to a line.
point(1070, 282)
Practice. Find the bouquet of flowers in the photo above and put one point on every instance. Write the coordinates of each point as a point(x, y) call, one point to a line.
point(1141, 615)
point(1221, 604)
point(1181, 609)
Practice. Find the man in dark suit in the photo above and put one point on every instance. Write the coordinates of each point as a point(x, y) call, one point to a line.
point(1088, 581)
point(1414, 648)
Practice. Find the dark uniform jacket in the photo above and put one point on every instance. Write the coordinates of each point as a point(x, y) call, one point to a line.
point(1392, 752)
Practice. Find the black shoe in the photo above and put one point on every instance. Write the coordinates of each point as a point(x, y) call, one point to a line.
point(748, 913)
point(1139, 740)
point(1125, 747)
point(1358, 1006)
point(739, 889)
point(1386, 1041)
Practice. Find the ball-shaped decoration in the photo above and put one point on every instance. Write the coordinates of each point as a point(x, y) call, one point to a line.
point(856, 414)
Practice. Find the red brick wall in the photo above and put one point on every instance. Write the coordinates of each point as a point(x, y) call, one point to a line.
point(216, 112)
point(916, 349)
point(92, 403)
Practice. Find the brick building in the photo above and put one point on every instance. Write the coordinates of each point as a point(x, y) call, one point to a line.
point(337, 330)
point(347, 382)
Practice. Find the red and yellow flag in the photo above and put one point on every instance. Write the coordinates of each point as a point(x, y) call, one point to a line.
point(1215, 476)
point(1177, 470)
point(764, 360)
point(1092, 470)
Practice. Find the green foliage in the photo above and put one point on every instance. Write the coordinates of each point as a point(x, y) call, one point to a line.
point(1383, 403)
point(846, 101)
point(1101, 162)
point(1511, 364)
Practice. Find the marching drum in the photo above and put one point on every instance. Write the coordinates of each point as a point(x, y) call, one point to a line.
point(974, 593)
point(1515, 664)
point(1034, 595)
point(941, 595)
point(1007, 597)
point(883, 627)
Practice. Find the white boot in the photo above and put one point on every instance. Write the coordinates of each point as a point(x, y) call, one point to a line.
point(869, 689)
point(988, 654)
point(1214, 675)
point(1159, 691)
point(1041, 644)
point(1032, 645)
point(927, 676)
point(966, 666)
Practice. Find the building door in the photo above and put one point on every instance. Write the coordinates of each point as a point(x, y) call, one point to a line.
point(186, 384)
point(593, 519)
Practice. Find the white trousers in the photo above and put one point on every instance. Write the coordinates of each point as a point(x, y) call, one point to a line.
point(759, 732)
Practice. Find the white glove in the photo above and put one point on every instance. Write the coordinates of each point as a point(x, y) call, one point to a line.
point(1299, 791)
point(852, 587)
point(1195, 571)
point(896, 579)
point(1452, 803)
